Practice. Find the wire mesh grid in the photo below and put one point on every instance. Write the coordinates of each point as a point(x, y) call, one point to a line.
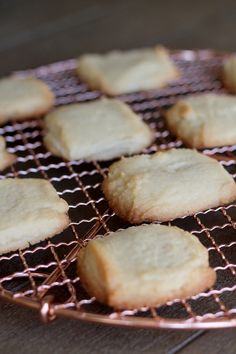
point(44, 277)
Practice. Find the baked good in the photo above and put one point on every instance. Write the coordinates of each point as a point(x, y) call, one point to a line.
point(204, 120)
point(98, 130)
point(30, 212)
point(120, 72)
point(167, 185)
point(22, 98)
point(229, 73)
point(6, 159)
point(144, 265)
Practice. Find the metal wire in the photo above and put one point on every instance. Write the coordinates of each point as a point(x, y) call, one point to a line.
point(44, 277)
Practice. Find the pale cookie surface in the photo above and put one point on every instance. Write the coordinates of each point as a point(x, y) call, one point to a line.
point(229, 74)
point(30, 212)
point(167, 185)
point(120, 72)
point(145, 265)
point(23, 98)
point(98, 130)
point(205, 120)
point(6, 159)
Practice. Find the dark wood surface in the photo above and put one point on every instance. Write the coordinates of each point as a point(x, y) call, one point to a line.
point(38, 32)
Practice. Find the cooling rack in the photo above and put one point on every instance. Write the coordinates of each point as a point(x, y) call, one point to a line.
point(44, 276)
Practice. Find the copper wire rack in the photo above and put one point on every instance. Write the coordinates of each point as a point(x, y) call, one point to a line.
point(44, 277)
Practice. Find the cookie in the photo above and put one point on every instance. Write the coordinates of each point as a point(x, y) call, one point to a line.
point(30, 212)
point(205, 120)
point(98, 130)
point(6, 159)
point(144, 266)
point(120, 72)
point(167, 185)
point(229, 73)
point(24, 98)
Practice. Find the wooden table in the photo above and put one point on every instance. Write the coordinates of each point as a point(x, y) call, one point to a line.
point(38, 32)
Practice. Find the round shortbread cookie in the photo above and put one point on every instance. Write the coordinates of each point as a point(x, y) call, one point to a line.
point(6, 159)
point(145, 265)
point(229, 73)
point(24, 98)
point(120, 72)
point(167, 185)
point(99, 130)
point(31, 211)
point(204, 120)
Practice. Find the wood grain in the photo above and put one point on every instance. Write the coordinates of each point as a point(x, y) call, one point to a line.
point(21, 332)
point(38, 32)
point(216, 342)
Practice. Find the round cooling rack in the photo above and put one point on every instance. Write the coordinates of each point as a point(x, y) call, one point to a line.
point(43, 277)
